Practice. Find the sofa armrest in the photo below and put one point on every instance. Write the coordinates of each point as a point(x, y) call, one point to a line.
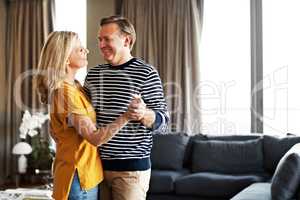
point(256, 191)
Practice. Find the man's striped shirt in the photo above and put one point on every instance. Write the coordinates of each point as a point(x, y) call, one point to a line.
point(110, 89)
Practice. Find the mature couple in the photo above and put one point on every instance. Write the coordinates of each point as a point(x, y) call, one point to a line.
point(117, 109)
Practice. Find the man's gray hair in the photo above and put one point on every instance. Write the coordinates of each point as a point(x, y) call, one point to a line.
point(124, 25)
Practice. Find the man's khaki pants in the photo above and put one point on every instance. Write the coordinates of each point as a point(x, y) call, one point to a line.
point(125, 185)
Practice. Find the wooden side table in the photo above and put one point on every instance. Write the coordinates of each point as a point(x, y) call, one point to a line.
point(29, 180)
point(18, 179)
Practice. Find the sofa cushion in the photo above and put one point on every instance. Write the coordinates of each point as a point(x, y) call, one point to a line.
point(168, 151)
point(187, 161)
point(286, 178)
point(261, 191)
point(234, 137)
point(162, 181)
point(275, 148)
point(229, 157)
point(213, 184)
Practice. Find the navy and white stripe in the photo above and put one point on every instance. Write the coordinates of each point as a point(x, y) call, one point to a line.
point(110, 89)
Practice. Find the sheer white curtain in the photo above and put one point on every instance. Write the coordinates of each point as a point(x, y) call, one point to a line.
point(281, 47)
point(225, 67)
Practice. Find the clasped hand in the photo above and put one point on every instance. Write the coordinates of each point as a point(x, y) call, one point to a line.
point(136, 109)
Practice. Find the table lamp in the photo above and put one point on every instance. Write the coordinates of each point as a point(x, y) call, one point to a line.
point(22, 149)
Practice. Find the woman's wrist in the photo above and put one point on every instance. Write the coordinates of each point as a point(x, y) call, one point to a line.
point(125, 117)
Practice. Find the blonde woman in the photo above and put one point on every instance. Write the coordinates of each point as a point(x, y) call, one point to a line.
point(77, 166)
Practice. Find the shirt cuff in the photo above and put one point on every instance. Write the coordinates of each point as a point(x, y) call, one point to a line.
point(158, 121)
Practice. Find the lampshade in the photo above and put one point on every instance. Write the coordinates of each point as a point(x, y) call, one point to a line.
point(22, 148)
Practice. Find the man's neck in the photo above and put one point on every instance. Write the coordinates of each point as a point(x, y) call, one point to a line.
point(122, 60)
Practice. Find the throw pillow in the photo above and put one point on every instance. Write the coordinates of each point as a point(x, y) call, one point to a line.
point(168, 151)
point(275, 148)
point(229, 157)
point(286, 178)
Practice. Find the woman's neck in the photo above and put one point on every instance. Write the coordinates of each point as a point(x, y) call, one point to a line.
point(70, 77)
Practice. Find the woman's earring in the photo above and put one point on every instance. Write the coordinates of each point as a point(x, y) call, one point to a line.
point(68, 62)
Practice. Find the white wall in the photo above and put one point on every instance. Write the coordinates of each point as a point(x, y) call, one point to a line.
point(96, 9)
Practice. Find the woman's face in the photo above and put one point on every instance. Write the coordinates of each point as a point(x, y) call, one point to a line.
point(78, 56)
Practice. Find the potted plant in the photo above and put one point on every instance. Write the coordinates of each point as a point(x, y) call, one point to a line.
point(42, 155)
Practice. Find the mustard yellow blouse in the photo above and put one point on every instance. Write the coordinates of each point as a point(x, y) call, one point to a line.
point(72, 151)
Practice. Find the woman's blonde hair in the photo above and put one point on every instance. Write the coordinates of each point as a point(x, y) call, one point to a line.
point(52, 66)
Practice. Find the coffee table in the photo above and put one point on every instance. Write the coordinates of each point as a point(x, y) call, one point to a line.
point(25, 194)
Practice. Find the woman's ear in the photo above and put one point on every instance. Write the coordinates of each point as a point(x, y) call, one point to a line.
point(68, 66)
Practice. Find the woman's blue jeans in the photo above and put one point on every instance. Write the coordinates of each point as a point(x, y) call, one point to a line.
point(76, 193)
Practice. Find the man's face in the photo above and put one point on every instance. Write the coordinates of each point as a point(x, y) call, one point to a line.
point(111, 43)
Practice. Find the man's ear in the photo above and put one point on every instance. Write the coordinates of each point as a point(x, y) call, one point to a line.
point(127, 41)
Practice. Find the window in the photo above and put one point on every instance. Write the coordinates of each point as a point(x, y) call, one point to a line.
point(71, 16)
point(281, 64)
point(225, 67)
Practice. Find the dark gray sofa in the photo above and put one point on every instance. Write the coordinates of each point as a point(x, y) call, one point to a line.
point(240, 167)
